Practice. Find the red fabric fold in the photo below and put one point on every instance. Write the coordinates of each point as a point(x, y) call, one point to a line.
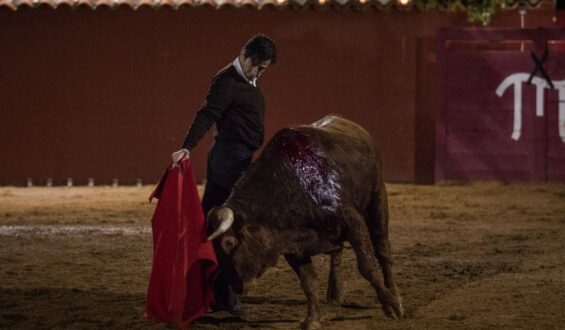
point(184, 263)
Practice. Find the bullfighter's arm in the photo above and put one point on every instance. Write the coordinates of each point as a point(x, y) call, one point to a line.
point(218, 99)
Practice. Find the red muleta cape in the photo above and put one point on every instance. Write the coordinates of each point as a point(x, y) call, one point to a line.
point(184, 263)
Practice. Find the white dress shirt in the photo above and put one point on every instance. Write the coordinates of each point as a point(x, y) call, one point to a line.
point(240, 71)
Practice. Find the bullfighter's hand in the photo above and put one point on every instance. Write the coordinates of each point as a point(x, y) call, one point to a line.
point(177, 156)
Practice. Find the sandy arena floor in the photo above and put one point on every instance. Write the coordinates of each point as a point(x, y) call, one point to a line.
point(475, 256)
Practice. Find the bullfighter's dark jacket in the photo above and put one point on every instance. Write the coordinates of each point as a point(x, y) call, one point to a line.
point(237, 108)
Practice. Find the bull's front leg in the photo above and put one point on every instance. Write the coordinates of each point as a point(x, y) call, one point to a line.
point(360, 240)
point(309, 281)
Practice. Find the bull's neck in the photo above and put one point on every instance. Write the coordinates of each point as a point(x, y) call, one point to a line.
point(239, 205)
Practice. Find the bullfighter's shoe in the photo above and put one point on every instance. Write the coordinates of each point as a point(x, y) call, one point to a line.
point(238, 310)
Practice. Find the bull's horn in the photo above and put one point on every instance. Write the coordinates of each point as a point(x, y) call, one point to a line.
point(225, 215)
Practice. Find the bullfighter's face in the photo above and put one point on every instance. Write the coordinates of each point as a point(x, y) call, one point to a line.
point(253, 70)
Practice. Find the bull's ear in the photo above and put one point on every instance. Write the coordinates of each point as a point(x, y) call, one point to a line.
point(228, 243)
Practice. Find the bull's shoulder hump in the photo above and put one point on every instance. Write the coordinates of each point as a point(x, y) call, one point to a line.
point(327, 120)
point(291, 134)
point(330, 125)
point(342, 126)
point(288, 131)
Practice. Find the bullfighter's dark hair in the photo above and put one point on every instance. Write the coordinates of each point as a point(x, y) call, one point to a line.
point(261, 48)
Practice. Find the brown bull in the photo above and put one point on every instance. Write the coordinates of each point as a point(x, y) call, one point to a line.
point(311, 189)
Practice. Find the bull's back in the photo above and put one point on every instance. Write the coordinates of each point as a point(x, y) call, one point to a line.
point(311, 170)
point(333, 159)
point(332, 139)
point(343, 128)
point(347, 143)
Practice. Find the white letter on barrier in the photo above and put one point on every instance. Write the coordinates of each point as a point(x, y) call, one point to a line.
point(560, 85)
point(515, 79)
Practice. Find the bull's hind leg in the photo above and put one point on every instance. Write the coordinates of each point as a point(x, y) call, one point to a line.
point(309, 281)
point(358, 236)
point(334, 293)
point(378, 229)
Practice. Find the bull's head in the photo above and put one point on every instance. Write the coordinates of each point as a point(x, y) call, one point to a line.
point(244, 250)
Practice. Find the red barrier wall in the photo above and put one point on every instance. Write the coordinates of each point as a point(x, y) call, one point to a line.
point(109, 94)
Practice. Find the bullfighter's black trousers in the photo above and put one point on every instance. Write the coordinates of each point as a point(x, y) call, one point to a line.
point(226, 164)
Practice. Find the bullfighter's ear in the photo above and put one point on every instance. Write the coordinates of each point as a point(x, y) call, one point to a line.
point(228, 243)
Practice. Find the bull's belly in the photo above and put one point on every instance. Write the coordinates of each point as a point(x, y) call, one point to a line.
point(310, 242)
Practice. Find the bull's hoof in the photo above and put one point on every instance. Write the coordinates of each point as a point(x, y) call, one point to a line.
point(310, 324)
point(393, 308)
point(334, 295)
point(335, 301)
point(334, 298)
